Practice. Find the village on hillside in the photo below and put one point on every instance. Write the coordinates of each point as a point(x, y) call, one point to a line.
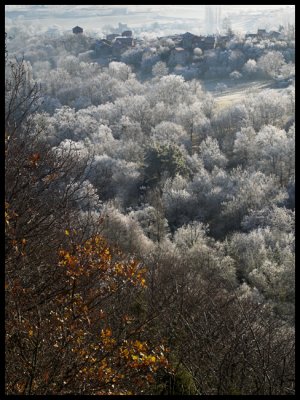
point(115, 44)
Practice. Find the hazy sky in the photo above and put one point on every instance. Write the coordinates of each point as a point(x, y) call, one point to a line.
point(170, 9)
point(171, 18)
point(140, 6)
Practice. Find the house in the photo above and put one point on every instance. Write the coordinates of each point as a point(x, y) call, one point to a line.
point(77, 30)
point(177, 39)
point(179, 55)
point(250, 36)
point(253, 37)
point(261, 33)
point(221, 41)
point(124, 41)
point(87, 56)
point(188, 40)
point(274, 34)
point(102, 47)
point(198, 41)
point(127, 33)
point(209, 43)
point(120, 44)
point(112, 36)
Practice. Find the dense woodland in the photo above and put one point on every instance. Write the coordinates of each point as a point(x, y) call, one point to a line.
point(149, 234)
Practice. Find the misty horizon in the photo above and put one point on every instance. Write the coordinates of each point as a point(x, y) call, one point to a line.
point(155, 19)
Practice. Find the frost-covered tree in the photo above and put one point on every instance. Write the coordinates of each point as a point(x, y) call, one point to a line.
point(102, 170)
point(250, 191)
point(161, 162)
point(125, 231)
point(271, 63)
point(244, 146)
point(168, 132)
point(267, 107)
point(226, 123)
point(279, 218)
point(235, 75)
point(57, 78)
point(197, 52)
point(149, 59)
point(211, 154)
point(69, 64)
point(131, 130)
point(194, 121)
point(136, 108)
point(250, 68)
point(41, 69)
point(178, 202)
point(132, 57)
point(152, 221)
point(171, 89)
point(204, 256)
point(160, 69)
point(275, 152)
point(126, 181)
point(200, 187)
point(191, 234)
point(119, 70)
point(265, 259)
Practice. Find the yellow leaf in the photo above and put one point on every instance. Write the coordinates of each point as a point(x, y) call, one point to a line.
point(30, 333)
point(6, 218)
point(67, 232)
point(106, 332)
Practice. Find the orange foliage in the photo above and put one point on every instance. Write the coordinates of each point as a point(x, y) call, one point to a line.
point(100, 338)
point(112, 361)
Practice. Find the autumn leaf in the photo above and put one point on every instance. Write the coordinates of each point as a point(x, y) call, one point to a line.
point(46, 376)
point(34, 158)
point(150, 378)
point(106, 334)
point(7, 218)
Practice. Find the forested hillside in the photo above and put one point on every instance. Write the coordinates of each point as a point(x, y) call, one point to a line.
point(149, 232)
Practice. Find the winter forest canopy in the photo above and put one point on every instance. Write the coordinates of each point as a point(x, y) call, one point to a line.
point(149, 206)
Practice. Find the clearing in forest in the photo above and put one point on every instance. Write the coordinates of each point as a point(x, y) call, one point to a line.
point(235, 92)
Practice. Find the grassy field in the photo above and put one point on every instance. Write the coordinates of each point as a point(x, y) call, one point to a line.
point(235, 92)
